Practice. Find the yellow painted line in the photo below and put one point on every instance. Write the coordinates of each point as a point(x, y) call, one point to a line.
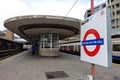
point(5, 60)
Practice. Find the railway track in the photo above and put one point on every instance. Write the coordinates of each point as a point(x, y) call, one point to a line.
point(8, 53)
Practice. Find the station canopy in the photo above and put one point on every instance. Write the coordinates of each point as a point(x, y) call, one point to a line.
point(31, 27)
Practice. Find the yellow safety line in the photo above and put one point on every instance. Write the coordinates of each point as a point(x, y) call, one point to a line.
point(4, 60)
point(7, 59)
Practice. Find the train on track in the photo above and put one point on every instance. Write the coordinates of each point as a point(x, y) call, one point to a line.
point(73, 47)
point(9, 48)
point(8, 45)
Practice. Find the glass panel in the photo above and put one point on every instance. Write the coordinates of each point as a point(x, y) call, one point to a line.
point(49, 40)
point(55, 41)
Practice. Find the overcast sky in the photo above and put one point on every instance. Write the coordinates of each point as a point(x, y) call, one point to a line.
point(12, 8)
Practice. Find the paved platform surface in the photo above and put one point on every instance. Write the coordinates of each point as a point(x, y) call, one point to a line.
point(24, 66)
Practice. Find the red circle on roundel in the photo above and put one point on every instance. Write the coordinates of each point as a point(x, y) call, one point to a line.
point(95, 51)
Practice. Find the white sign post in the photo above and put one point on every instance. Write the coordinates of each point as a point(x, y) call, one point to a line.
point(96, 39)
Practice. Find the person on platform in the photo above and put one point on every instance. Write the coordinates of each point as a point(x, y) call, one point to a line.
point(34, 48)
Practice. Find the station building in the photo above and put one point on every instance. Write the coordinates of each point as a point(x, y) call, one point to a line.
point(115, 13)
point(44, 30)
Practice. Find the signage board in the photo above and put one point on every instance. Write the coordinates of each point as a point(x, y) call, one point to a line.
point(96, 39)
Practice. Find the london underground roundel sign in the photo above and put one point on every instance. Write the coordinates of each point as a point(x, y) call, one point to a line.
point(98, 41)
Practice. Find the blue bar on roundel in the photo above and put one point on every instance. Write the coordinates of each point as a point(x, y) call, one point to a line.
point(93, 42)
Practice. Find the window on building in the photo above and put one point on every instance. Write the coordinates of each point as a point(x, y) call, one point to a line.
point(112, 6)
point(113, 13)
point(117, 26)
point(104, 5)
point(113, 27)
point(118, 12)
point(112, 0)
point(113, 22)
point(117, 5)
point(108, 1)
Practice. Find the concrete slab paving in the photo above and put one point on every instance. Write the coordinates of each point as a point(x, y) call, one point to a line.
point(24, 66)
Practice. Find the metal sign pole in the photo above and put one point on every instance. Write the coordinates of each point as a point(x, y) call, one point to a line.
point(92, 65)
point(92, 7)
point(93, 71)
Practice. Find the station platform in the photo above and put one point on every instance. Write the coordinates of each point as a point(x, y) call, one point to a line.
point(24, 66)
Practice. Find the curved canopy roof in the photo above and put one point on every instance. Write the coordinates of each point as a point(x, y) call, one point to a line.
point(32, 26)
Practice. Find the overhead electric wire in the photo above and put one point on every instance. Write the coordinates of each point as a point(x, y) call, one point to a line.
point(71, 8)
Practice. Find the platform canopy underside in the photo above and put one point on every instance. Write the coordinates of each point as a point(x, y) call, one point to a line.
point(33, 26)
